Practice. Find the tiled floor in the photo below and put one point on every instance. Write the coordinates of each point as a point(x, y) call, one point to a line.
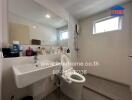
point(87, 95)
point(110, 89)
point(98, 89)
point(57, 95)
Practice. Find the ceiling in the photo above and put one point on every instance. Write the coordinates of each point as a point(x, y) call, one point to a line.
point(80, 9)
point(32, 11)
point(83, 8)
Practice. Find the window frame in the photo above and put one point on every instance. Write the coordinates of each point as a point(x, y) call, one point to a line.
point(104, 19)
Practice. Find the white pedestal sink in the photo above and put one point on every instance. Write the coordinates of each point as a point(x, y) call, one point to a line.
point(27, 74)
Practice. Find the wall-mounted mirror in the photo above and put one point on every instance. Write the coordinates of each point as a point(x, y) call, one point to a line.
point(29, 23)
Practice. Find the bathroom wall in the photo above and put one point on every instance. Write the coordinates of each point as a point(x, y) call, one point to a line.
point(39, 89)
point(72, 23)
point(3, 39)
point(130, 59)
point(19, 32)
point(5, 25)
point(110, 49)
point(0, 46)
point(45, 33)
point(54, 6)
point(1, 24)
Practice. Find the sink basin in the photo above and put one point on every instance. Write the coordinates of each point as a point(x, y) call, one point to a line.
point(27, 74)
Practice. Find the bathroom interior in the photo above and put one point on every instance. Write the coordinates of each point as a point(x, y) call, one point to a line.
point(39, 37)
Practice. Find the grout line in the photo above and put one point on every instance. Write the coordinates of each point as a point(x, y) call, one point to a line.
point(98, 93)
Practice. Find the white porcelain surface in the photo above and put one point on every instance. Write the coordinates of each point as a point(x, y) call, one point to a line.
point(27, 74)
point(78, 78)
point(72, 82)
point(68, 71)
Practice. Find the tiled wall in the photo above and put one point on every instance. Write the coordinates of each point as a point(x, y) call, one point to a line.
point(110, 49)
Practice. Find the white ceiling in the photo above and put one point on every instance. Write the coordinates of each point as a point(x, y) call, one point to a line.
point(32, 11)
point(84, 8)
point(80, 9)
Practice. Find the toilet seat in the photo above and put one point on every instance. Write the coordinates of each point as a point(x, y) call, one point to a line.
point(68, 73)
point(78, 78)
point(72, 76)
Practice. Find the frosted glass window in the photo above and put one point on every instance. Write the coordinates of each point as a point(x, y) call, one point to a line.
point(107, 25)
point(64, 35)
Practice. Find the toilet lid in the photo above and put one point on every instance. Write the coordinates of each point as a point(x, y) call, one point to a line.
point(65, 62)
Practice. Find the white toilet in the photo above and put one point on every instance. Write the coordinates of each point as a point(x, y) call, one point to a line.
point(71, 81)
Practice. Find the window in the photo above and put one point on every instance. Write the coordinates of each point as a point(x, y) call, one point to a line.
point(63, 35)
point(109, 24)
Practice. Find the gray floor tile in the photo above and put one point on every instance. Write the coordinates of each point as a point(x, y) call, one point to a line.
point(89, 95)
point(52, 96)
point(108, 88)
point(86, 95)
point(57, 95)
